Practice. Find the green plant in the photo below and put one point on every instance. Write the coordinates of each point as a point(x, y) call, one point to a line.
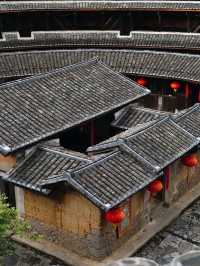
point(8, 217)
point(10, 224)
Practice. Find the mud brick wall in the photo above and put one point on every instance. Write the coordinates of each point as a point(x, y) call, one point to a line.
point(183, 178)
point(72, 221)
point(194, 173)
point(7, 162)
point(69, 220)
point(75, 223)
point(69, 211)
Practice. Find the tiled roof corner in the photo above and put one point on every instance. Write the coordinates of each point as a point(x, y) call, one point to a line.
point(43, 165)
point(4, 149)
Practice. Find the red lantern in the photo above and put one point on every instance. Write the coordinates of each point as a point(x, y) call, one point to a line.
point(175, 85)
point(115, 216)
point(190, 160)
point(156, 186)
point(141, 81)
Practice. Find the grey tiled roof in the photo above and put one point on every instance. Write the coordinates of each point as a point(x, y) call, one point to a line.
point(162, 5)
point(112, 179)
point(136, 157)
point(163, 143)
point(103, 39)
point(189, 119)
point(157, 143)
point(35, 108)
point(117, 140)
point(148, 63)
point(41, 164)
point(132, 116)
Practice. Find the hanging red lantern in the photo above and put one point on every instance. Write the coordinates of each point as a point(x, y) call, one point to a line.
point(175, 85)
point(156, 186)
point(115, 216)
point(190, 160)
point(142, 81)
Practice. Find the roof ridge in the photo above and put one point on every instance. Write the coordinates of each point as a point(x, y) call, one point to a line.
point(92, 163)
point(149, 125)
point(118, 141)
point(185, 112)
point(195, 141)
point(122, 76)
point(131, 108)
point(179, 126)
point(63, 153)
point(153, 111)
point(139, 158)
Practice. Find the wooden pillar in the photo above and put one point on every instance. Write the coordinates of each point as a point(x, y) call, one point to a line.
point(102, 21)
point(159, 20)
point(198, 96)
point(92, 133)
point(188, 22)
point(19, 199)
point(131, 24)
point(187, 90)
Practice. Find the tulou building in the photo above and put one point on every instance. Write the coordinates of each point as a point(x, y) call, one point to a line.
point(99, 119)
point(74, 175)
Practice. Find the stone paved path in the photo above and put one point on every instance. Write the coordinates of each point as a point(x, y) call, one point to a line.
point(181, 236)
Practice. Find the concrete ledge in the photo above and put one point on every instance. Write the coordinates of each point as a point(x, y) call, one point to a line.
point(166, 216)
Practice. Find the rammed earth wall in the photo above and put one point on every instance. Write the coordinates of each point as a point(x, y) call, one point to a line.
point(75, 223)
point(183, 178)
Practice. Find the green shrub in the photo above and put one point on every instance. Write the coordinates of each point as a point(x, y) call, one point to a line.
point(8, 218)
point(10, 224)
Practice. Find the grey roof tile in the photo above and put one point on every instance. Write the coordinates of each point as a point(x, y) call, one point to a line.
point(163, 143)
point(35, 108)
point(189, 119)
point(112, 179)
point(100, 39)
point(162, 5)
point(136, 157)
point(157, 143)
point(148, 63)
point(41, 164)
point(132, 116)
